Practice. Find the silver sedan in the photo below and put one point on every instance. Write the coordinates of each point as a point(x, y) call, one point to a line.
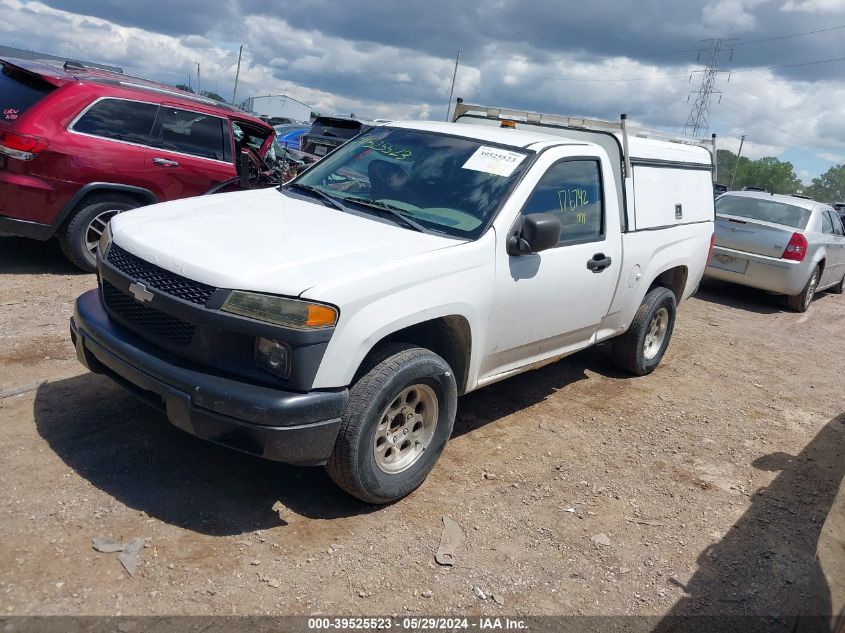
point(784, 244)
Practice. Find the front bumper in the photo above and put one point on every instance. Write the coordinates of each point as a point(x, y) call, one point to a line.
point(781, 276)
point(297, 428)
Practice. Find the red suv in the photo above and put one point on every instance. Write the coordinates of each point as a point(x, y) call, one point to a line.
point(79, 144)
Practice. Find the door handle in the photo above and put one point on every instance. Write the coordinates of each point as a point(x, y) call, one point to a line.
point(598, 263)
point(165, 162)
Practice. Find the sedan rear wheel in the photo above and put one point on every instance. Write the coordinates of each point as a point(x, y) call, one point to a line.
point(801, 302)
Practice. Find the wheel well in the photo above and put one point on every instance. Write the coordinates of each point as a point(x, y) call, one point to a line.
point(675, 279)
point(821, 264)
point(92, 194)
point(449, 337)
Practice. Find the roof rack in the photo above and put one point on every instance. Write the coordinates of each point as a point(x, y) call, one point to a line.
point(613, 127)
point(800, 195)
point(72, 64)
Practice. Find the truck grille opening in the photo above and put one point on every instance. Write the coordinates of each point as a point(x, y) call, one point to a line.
point(159, 278)
point(147, 321)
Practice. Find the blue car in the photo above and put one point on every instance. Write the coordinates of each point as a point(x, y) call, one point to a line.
point(288, 134)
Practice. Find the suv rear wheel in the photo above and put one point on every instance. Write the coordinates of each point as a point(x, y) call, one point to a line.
point(400, 415)
point(82, 232)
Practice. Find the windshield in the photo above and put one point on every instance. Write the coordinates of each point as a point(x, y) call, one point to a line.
point(765, 210)
point(446, 184)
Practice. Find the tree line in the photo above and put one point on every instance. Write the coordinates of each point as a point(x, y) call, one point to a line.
point(776, 176)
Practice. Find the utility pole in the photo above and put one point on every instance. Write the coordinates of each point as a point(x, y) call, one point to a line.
point(452, 88)
point(198, 78)
point(736, 166)
point(237, 73)
point(698, 122)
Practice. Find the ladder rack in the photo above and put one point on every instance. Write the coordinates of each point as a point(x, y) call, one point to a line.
point(620, 128)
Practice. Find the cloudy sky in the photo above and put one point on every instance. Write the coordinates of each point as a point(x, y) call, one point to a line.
point(394, 58)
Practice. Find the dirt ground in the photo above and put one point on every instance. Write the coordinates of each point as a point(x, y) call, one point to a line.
point(709, 487)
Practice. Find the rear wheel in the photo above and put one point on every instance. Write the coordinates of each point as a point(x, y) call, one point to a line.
point(801, 302)
point(641, 348)
point(82, 232)
point(398, 419)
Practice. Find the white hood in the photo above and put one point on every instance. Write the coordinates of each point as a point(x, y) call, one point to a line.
point(264, 241)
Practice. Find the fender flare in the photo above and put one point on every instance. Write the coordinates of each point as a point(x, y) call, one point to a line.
point(96, 187)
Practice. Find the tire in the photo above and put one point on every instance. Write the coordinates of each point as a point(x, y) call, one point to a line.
point(801, 302)
point(641, 348)
point(87, 221)
point(361, 462)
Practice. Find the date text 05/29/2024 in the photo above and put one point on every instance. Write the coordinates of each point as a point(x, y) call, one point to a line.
point(415, 624)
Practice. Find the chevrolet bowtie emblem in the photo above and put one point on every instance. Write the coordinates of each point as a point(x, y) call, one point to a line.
point(140, 292)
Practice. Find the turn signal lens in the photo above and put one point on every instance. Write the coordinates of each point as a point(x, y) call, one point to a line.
point(796, 249)
point(320, 316)
point(508, 123)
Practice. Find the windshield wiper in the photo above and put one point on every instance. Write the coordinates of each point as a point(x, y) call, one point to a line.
point(394, 212)
point(330, 200)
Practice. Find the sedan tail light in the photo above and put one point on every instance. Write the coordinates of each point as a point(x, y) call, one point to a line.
point(21, 146)
point(796, 249)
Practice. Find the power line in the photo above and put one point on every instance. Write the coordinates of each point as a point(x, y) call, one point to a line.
point(740, 42)
point(771, 101)
point(820, 61)
point(786, 37)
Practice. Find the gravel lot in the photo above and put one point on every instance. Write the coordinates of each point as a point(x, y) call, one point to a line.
point(708, 487)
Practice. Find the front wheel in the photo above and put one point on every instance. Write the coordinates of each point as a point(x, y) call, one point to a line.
point(801, 302)
point(641, 348)
point(400, 415)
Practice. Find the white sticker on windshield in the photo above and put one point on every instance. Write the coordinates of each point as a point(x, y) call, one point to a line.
point(492, 160)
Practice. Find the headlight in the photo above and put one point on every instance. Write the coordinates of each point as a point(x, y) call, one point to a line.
point(292, 313)
point(105, 242)
point(272, 356)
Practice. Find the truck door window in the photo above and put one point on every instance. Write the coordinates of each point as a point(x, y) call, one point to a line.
point(571, 190)
point(193, 133)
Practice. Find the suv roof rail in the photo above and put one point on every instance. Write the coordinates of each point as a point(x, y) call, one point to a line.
point(72, 64)
point(800, 195)
point(620, 127)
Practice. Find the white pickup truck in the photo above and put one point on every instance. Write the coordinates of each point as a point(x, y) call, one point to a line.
point(336, 319)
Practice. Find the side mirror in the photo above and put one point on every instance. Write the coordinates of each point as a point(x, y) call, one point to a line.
point(539, 231)
point(243, 170)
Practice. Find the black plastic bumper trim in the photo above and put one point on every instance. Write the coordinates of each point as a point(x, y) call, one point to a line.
point(298, 428)
point(26, 228)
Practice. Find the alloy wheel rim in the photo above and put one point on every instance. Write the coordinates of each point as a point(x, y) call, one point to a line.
point(405, 429)
point(95, 230)
point(811, 291)
point(656, 333)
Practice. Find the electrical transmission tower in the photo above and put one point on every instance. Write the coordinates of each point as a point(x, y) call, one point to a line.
point(698, 122)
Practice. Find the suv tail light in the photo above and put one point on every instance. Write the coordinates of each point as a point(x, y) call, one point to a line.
point(796, 249)
point(21, 146)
